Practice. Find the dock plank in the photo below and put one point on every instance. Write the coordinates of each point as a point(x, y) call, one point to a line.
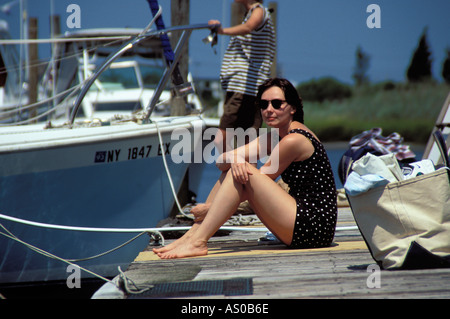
point(339, 271)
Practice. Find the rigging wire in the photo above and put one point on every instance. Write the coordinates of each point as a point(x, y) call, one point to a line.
point(76, 53)
point(9, 235)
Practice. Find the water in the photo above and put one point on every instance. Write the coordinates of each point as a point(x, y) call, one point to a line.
point(210, 173)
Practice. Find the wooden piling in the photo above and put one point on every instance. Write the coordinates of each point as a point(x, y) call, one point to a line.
point(180, 16)
point(33, 66)
point(273, 7)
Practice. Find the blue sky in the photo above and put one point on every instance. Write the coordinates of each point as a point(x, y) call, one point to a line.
point(316, 38)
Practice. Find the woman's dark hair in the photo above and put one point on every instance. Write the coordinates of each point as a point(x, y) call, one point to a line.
point(290, 94)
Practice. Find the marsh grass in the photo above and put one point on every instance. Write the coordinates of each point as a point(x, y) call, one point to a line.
point(410, 109)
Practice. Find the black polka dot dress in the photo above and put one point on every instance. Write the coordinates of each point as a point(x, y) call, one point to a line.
point(311, 183)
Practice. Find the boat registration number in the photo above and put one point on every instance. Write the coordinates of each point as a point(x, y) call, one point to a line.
point(132, 153)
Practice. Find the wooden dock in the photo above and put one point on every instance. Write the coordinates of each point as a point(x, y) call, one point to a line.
point(238, 267)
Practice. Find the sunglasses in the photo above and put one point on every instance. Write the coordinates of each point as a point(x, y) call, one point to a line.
point(276, 104)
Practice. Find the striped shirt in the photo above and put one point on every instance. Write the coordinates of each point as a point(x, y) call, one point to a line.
point(247, 61)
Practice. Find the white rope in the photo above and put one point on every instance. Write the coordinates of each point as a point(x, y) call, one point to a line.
point(118, 230)
point(138, 230)
point(76, 228)
point(169, 176)
point(127, 281)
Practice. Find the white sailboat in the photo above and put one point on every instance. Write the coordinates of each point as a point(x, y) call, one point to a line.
point(81, 188)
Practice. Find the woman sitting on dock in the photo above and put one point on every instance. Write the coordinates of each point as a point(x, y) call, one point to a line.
point(303, 218)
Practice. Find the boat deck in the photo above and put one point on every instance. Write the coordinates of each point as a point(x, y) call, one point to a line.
point(238, 267)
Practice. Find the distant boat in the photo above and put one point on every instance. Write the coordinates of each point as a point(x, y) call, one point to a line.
point(126, 86)
point(79, 188)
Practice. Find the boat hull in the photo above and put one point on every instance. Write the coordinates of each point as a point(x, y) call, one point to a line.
point(109, 179)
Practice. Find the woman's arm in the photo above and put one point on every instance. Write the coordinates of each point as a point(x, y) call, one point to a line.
point(291, 148)
point(255, 20)
point(250, 152)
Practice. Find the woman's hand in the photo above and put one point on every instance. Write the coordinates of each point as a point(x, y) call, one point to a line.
point(237, 163)
point(241, 171)
point(219, 29)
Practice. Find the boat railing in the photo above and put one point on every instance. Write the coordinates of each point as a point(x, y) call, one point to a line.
point(11, 112)
point(183, 40)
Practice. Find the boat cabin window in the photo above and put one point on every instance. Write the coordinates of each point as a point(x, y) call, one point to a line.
point(129, 78)
point(119, 79)
point(151, 75)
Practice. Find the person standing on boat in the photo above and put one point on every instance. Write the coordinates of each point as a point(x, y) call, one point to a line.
point(246, 64)
point(304, 217)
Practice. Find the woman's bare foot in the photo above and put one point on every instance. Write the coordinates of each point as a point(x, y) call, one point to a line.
point(177, 242)
point(188, 248)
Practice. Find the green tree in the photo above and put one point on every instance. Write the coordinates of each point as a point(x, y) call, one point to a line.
point(361, 67)
point(420, 66)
